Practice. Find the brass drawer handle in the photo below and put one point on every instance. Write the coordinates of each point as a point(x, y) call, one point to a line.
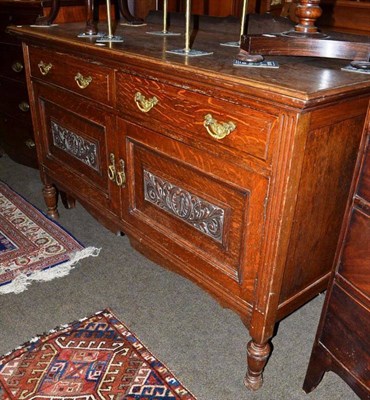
point(143, 104)
point(17, 66)
point(24, 106)
point(81, 81)
point(30, 144)
point(44, 68)
point(218, 130)
point(121, 175)
point(112, 168)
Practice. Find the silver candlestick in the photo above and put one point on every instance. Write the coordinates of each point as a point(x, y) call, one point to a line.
point(110, 38)
point(164, 31)
point(187, 51)
point(242, 23)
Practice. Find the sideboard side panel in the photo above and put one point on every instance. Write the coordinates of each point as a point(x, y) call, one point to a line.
point(330, 156)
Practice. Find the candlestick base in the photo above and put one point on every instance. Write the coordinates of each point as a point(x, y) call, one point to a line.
point(109, 39)
point(189, 53)
point(91, 35)
point(133, 24)
point(230, 44)
point(164, 33)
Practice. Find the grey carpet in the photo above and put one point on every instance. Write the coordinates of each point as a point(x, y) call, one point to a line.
point(201, 342)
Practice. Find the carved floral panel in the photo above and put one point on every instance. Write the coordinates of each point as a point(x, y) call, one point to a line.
point(75, 145)
point(199, 213)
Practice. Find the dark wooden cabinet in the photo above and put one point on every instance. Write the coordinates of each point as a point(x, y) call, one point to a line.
point(16, 132)
point(343, 338)
point(235, 178)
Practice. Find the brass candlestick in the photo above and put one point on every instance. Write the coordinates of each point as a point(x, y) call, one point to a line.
point(164, 31)
point(110, 38)
point(187, 51)
point(242, 23)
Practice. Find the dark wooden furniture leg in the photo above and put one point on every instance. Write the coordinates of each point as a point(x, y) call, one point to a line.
point(316, 369)
point(67, 200)
point(125, 11)
point(50, 197)
point(49, 19)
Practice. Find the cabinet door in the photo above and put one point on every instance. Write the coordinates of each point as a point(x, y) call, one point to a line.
point(76, 146)
point(200, 213)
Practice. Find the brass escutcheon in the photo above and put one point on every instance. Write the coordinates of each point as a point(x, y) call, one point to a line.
point(17, 66)
point(218, 130)
point(44, 68)
point(81, 81)
point(143, 104)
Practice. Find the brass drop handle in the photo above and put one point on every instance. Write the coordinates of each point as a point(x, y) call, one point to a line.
point(30, 143)
point(82, 82)
point(143, 104)
point(44, 68)
point(218, 130)
point(17, 66)
point(112, 168)
point(24, 106)
point(121, 175)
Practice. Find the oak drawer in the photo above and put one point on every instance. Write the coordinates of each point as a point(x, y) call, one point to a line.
point(84, 78)
point(188, 112)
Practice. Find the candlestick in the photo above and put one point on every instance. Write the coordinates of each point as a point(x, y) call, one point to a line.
point(242, 23)
point(187, 51)
point(110, 38)
point(164, 31)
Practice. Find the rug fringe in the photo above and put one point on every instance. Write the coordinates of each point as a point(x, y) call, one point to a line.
point(20, 283)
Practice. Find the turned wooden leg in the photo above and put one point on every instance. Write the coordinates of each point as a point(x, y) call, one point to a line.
point(67, 200)
point(257, 355)
point(50, 197)
point(317, 367)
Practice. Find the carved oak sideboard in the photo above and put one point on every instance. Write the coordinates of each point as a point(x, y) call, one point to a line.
point(236, 178)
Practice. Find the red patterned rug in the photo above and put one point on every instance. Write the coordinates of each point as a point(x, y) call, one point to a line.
point(95, 358)
point(32, 247)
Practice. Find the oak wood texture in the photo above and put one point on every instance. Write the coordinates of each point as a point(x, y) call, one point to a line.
point(252, 218)
point(342, 340)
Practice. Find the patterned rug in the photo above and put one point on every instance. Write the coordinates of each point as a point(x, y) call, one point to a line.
point(95, 358)
point(32, 247)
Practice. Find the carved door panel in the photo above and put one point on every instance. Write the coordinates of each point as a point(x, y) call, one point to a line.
point(75, 146)
point(196, 206)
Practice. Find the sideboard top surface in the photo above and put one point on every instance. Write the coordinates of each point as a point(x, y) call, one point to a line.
point(299, 81)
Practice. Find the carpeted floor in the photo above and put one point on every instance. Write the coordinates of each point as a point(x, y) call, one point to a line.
point(201, 342)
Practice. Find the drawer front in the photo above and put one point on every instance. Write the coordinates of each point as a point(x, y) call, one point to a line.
point(11, 62)
point(204, 216)
point(14, 99)
point(355, 260)
point(74, 139)
point(364, 183)
point(240, 129)
point(16, 138)
point(86, 79)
